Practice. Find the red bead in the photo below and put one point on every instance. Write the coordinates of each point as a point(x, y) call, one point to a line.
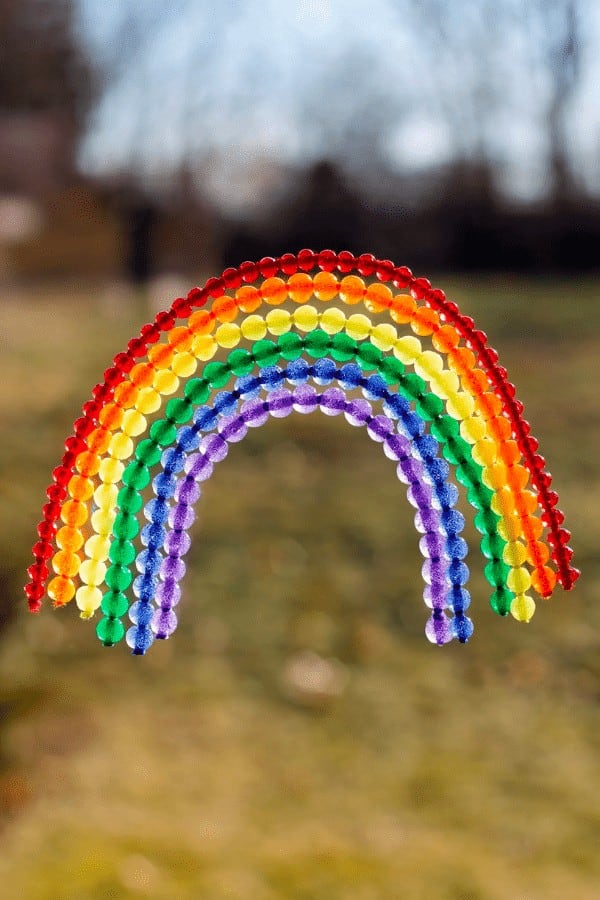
point(137, 347)
point(38, 571)
point(46, 530)
point(150, 333)
point(76, 444)
point(366, 264)
point(182, 308)
point(346, 262)
point(165, 320)
point(51, 511)
point(68, 460)
point(83, 426)
point(518, 407)
point(552, 497)
point(532, 444)
point(574, 574)
point(249, 272)
point(467, 323)
point(384, 270)
point(91, 408)
point(567, 553)
point(232, 279)
point(42, 550)
point(552, 517)
point(56, 493)
point(112, 376)
point(508, 386)
point(288, 264)
point(34, 591)
point(327, 260)
point(306, 260)
point(102, 392)
point(543, 479)
point(421, 288)
point(124, 362)
point(215, 287)
point(62, 475)
point(197, 296)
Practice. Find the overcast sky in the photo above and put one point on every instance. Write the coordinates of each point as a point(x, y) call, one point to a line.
point(294, 81)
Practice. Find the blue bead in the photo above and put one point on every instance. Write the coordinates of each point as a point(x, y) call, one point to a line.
point(173, 459)
point(140, 639)
point(225, 402)
point(396, 406)
point(462, 628)
point(438, 470)
point(298, 371)
point(141, 613)
point(456, 547)
point(248, 386)
point(205, 418)
point(148, 562)
point(271, 377)
point(153, 535)
point(351, 376)
point(458, 598)
point(446, 492)
point(324, 370)
point(375, 388)
point(427, 445)
point(157, 510)
point(452, 520)
point(458, 572)
point(144, 587)
point(164, 485)
point(188, 439)
point(412, 424)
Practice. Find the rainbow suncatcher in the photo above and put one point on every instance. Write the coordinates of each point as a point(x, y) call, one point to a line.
point(447, 407)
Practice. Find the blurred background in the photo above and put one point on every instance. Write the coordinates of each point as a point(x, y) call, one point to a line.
point(298, 737)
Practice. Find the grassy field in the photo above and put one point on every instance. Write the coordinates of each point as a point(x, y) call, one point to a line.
point(298, 737)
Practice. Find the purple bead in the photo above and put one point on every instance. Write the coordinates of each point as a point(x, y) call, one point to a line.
point(358, 412)
point(181, 517)
point(232, 429)
point(168, 593)
point(281, 403)
point(198, 466)
point(379, 428)
point(396, 447)
point(305, 399)
point(439, 629)
point(432, 544)
point(409, 470)
point(435, 594)
point(255, 413)
point(172, 567)
point(214, 447)
point(434, 570)
point(188, 491)
point(164, 623)
point(177, 543)
point(419, 494)
point(426, 520)
point(333, 402)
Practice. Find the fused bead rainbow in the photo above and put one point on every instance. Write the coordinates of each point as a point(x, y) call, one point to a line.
point(451, 398)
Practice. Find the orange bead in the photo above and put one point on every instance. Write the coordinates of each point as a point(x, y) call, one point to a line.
point(87, 464)
point(142, 375)
point(425, 321)
point(68, 538)
point(224, 309)
point(74, 513)
point(500, 426)
point(538, 553)
point(325, 286)
point(300, 287)
point(248, 298)
point(98, 440)
point(66, 563)
point(180, 338)
point(445, 338)
point(378, 298)
point(60, 590)
point(126, 393)
point(403, 309)
point(463, 358)
point(533, 527)
point(543, 581)
point(511, 453)
point(200, 322)
point(517, 477)
point(111, 416)
point(489, 405)
point(528, 502)
point(474, 380)
point(161, 355)
point(274, 291)
point(80, 488)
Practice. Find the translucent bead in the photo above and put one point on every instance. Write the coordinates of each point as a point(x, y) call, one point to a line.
point(473, 429)
point(68, 538)
point(447, 383)
point(305, 399)
point(139, 639)
point(61, 590)
point(228, 335)
point(460, 406)
point(378, 297)
point(352, 289)
point(281, 403)
point(519, 580)
point(300, 287)
point(332, 320)
point(97, 546)
point(81, 488)
point(166, 382)
point(110, 631)
point(407, 349)
point(462, 628)
point(92, 571)
point(88, 599)
point(279, 321)
point(204, 346)
point(134, 422)
point(164, 623)
point(384, 336)
point(111, 470)
point(515, 554)
point(74, 513)
point(121, 446)
point(438, 629)
point(306, 318)
point(357, 412)
point(403, 308)
point(274, 291)
point(358, 327)
point(522, 608)
point(102, 521)
point(148, 401)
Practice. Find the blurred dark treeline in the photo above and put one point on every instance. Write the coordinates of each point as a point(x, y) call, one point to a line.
point(56, 220)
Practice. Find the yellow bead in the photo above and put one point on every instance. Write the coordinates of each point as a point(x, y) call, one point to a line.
point(279, 321)
point(166, 382)
point(306, 318)
point(460, 406)
point(228, 335)
point(485, 452)
point(88, 599)
point(105, 495)
point(472, 430)
point(134, 423)
point(522, 608)
point(502, 503)
point(358, 327)
point(519, 580)
point(510, 528)
point(254, 328)
point(332, 320)
point(447, 383)
point(111, 470)
point(102, 521)
point(148, 401)
point(121, 446)
point(384, 336)
point(514, 554)
point(429, 364)
point(98, 546)
point(204, 346)
point(92, 571)
point(184, 364)
point(407, 349)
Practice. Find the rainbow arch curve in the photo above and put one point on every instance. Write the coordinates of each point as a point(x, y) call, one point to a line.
point(457, 391)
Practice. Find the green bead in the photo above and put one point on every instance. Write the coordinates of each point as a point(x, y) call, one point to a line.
point(496, 572)
point(136, 475)
point(291, 346)
point(317, 343)
point(486, 521)
point(343, 347)
point(456, 451)
point(240, 362)
point(179, 410)
point(479, 496)
point(148, 452)
point(492, 546)
point(369, 356)
point(217, 374)
point(114, 604)
point(118, 578)
point(412, 385)
point(429, 406)
point(500, 601)
point(468, 472)
point(197, 390)
point(110, 631)
point(265, 353)
point(163, 432)
point(125, 526)
point(392, 369)
point(122, 552)
point(130, 499)
point(443, 427)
